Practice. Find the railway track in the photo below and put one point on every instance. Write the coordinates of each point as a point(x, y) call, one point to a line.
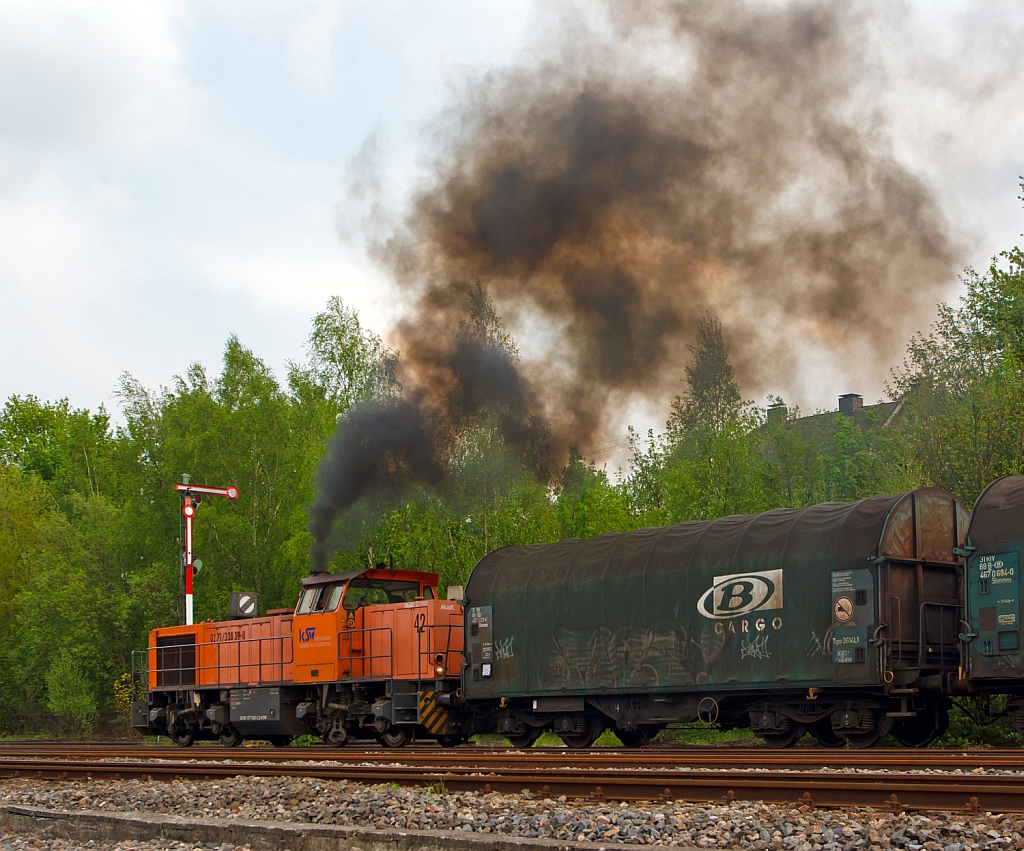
point(802, 759)
point(664, 776)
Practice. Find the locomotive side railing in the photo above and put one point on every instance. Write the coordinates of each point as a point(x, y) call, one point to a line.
point(380, 663)
point(240, 662)
point(371, 652)
point(427, 657)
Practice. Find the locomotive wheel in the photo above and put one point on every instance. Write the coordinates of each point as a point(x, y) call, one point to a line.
point(394, 737)
point(784, 740)
point(185, 737)
point(584, 739)
point(230, 737)
point(824, 735)
point(640, 737)
point(870, 738)
point(451, 740)
point(921, 730)
point(524, 739)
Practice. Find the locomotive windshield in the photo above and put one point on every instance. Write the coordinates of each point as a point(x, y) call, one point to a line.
point(374, 592)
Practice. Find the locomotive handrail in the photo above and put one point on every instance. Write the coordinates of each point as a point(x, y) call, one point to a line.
point(362, 656)
point(198, 671)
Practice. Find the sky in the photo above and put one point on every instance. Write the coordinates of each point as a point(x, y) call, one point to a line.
point(174, 173)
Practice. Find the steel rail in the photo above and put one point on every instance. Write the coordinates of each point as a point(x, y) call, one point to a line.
point(486, 758)
point(889, 791)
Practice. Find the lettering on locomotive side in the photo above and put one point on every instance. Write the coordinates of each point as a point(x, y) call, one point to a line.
point(229, 635)
point(742, 594)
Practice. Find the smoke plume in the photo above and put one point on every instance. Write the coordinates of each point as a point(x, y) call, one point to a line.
point(671, 160)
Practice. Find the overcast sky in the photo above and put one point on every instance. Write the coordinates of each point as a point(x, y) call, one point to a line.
point(170, 173)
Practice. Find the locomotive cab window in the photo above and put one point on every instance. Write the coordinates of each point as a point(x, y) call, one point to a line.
point(321, 598)
point(376, 592)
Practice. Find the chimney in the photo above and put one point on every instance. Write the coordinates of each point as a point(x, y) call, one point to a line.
point(777, 415)
point(850, 403)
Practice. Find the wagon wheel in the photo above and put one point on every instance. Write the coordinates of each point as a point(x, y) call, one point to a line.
point(870, 738)
point(584, 739)
point(524, 739)
point(824, 735)
point(230, 737)
point(394, 737)
point(787, 738)
point(921, 730)
point(640, 737)
point(336, 738)
point(184, 737)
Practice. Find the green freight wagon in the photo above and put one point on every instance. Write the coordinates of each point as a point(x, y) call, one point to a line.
point(841, 619)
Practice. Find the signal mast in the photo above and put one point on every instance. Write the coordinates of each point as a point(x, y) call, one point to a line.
point(191, 496)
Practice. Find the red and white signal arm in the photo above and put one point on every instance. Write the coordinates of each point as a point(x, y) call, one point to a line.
point(230, 492)
point(191, 494)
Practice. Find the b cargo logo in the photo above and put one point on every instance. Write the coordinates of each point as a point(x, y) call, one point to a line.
point(741, 594)
point(307, 634)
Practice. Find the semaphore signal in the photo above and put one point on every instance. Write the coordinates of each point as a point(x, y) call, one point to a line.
point(191, 496)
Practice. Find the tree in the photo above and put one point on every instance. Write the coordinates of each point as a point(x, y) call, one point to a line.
point(587, 503)
point(70, 696)
point(712, 396)
point(963, 384)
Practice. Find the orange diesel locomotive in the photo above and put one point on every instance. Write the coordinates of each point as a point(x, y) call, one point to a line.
point(369, 654)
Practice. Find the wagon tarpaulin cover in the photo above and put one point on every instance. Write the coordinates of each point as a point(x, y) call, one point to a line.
point(785, 597)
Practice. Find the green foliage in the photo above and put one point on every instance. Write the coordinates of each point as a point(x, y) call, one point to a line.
point(70, 696)
point(89, 523)
point(963, 384)
point(980, 722)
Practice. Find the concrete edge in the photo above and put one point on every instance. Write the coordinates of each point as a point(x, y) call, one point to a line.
point(83, 825)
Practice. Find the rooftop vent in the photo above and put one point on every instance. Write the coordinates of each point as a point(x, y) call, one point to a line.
point(849, 403)
point(777, 414)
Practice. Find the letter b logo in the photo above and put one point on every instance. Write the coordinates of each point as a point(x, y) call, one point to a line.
point(736, 596)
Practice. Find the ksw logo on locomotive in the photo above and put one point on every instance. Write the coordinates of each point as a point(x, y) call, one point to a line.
point(307, 634)
point(742, 594)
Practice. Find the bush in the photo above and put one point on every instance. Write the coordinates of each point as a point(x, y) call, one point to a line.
point(70, 697)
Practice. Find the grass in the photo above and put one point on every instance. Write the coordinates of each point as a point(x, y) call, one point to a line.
point(682, 734)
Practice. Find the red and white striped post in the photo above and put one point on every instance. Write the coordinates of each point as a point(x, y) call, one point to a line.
point(191, 495)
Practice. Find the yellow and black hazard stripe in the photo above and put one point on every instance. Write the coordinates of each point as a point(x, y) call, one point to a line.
point(433, 716)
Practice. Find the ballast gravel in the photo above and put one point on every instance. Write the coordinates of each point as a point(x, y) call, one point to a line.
point(22, 842)
point(741, 825)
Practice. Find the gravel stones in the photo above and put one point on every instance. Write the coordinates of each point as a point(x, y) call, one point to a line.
point(43, 842)
point(741, 825)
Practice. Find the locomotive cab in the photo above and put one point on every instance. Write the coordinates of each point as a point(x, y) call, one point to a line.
point(338, 633)
point(382, 654)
